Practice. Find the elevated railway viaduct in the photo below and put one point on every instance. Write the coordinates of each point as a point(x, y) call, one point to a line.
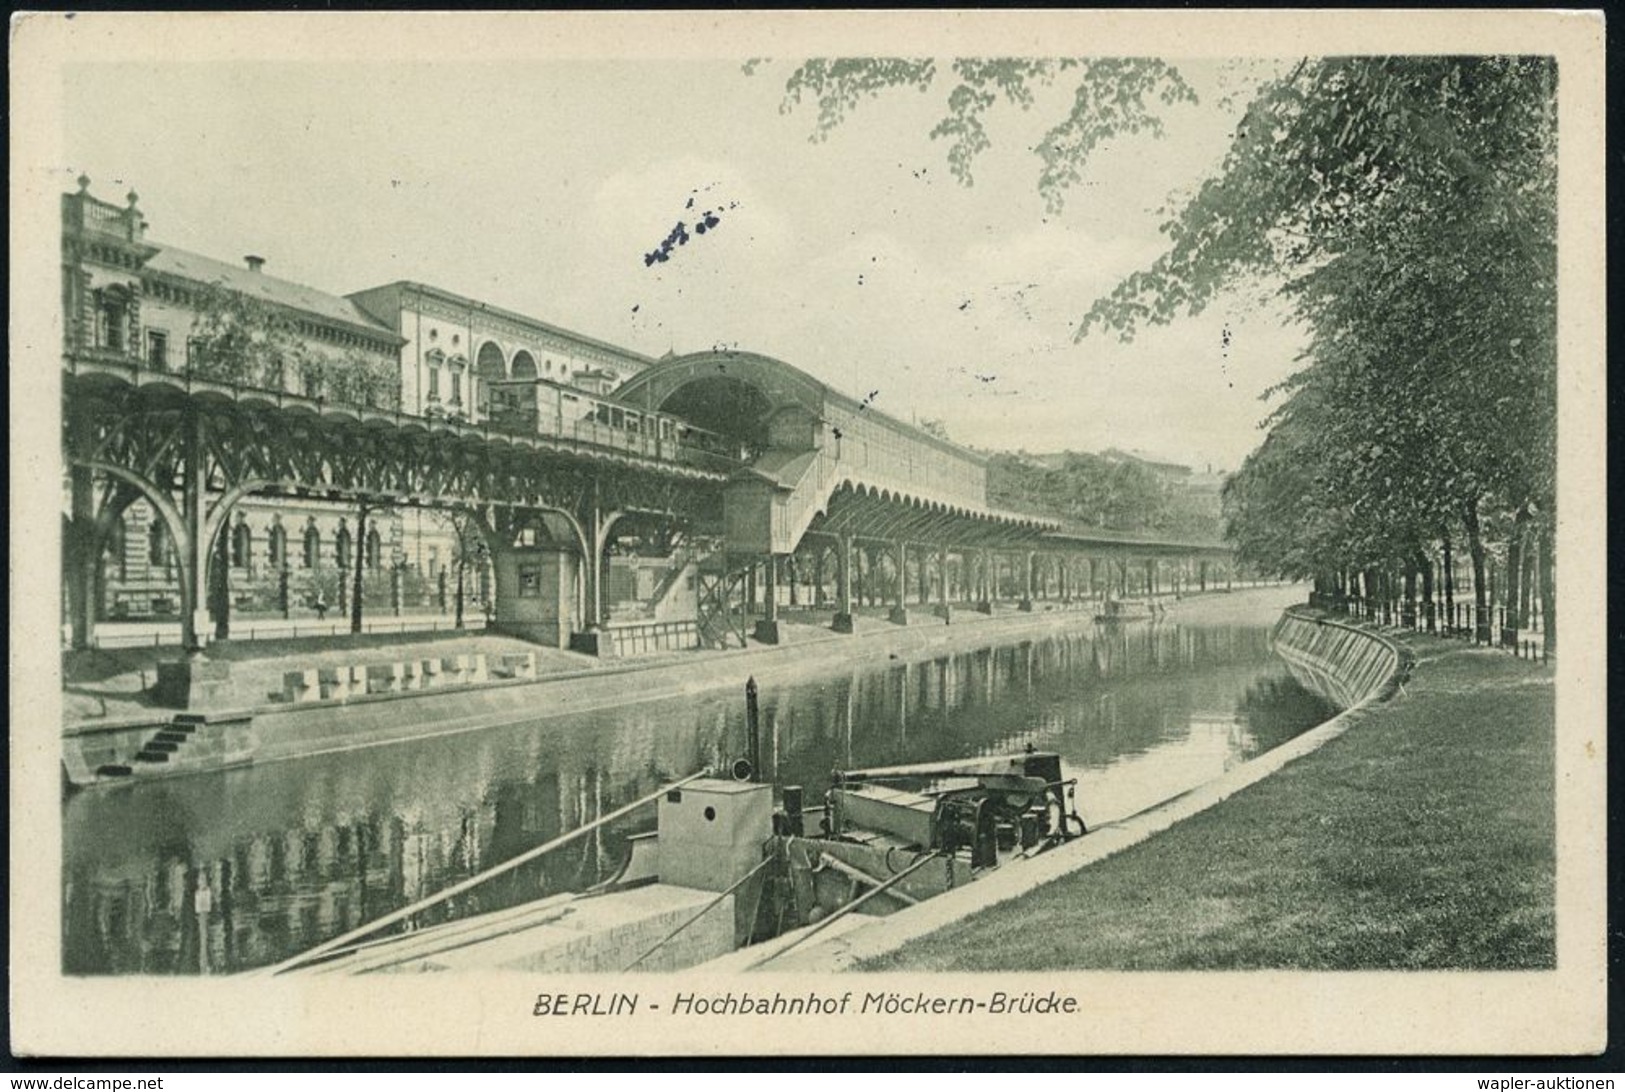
point(810, 479)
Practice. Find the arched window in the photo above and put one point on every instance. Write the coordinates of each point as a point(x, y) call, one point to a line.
point(313, 546)
point(375, 549)
point(242, 544)
point(276, 550)
point(490, 363)
point(524, 365)
point(341, 548)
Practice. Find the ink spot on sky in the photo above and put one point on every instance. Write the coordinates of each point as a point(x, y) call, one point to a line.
point(679, 236)
point(964, 305)
point(635, 307)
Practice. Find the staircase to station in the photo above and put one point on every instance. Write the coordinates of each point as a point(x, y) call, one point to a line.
point(768, 508)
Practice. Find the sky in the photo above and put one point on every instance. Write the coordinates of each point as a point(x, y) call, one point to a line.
point(540, 186)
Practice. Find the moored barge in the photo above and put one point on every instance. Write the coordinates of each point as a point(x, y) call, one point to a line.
point(735, 862)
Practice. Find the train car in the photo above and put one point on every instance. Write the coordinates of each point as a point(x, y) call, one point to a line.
point(545, 408)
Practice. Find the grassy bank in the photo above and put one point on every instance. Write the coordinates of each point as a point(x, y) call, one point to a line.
point(1422, 838)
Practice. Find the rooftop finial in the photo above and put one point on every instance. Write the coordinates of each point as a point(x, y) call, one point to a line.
point(132, 197)
point(84, 183)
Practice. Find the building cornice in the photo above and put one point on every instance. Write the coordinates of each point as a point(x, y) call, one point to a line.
point(470, 310)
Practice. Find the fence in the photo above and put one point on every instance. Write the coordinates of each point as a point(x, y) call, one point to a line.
point(654, 637)
point(1463, 621)
point(276, 629)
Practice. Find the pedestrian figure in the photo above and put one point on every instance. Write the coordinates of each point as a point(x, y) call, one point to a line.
point(321, 607)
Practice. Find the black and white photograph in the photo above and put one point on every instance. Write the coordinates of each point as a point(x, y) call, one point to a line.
point(807, 533)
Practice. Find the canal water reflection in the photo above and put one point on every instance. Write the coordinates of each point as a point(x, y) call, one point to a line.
point(225, 872)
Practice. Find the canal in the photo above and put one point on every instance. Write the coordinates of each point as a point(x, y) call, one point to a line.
point(293, 853)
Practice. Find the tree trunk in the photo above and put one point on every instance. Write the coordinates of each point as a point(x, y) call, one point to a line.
point(1548, 592)
point(1514, 617)
point(1429, 607)
point(1475, 548)
point(360, 566)
point(1450, 585)
point(462, 565)
point(1526, 602)
point(1407, 609)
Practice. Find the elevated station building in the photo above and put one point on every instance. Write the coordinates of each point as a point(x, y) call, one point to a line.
point(241, 446)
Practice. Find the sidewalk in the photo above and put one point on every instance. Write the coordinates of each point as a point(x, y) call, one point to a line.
point(1422, 838)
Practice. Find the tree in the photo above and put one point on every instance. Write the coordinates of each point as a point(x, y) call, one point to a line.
point(1407, 208)
point(361, 379)
point(365, 507)
point(468, 549)
point(1113, 96)
point(239, 339)
point(1093, 492)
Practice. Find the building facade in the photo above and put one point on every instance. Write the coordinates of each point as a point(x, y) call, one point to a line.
point(406, 346)
point(454, 349)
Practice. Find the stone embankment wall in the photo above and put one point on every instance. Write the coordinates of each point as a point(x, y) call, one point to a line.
point(1342, 663)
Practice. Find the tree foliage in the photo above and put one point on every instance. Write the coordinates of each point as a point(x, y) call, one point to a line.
point(1113, 97)
point(239, 339)
point(1407, 208)
point(1424, 258)
point(1094, 492)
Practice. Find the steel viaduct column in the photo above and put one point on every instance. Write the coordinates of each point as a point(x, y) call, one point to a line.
point(767, 627)
point(843, 585)
point(899, 613)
